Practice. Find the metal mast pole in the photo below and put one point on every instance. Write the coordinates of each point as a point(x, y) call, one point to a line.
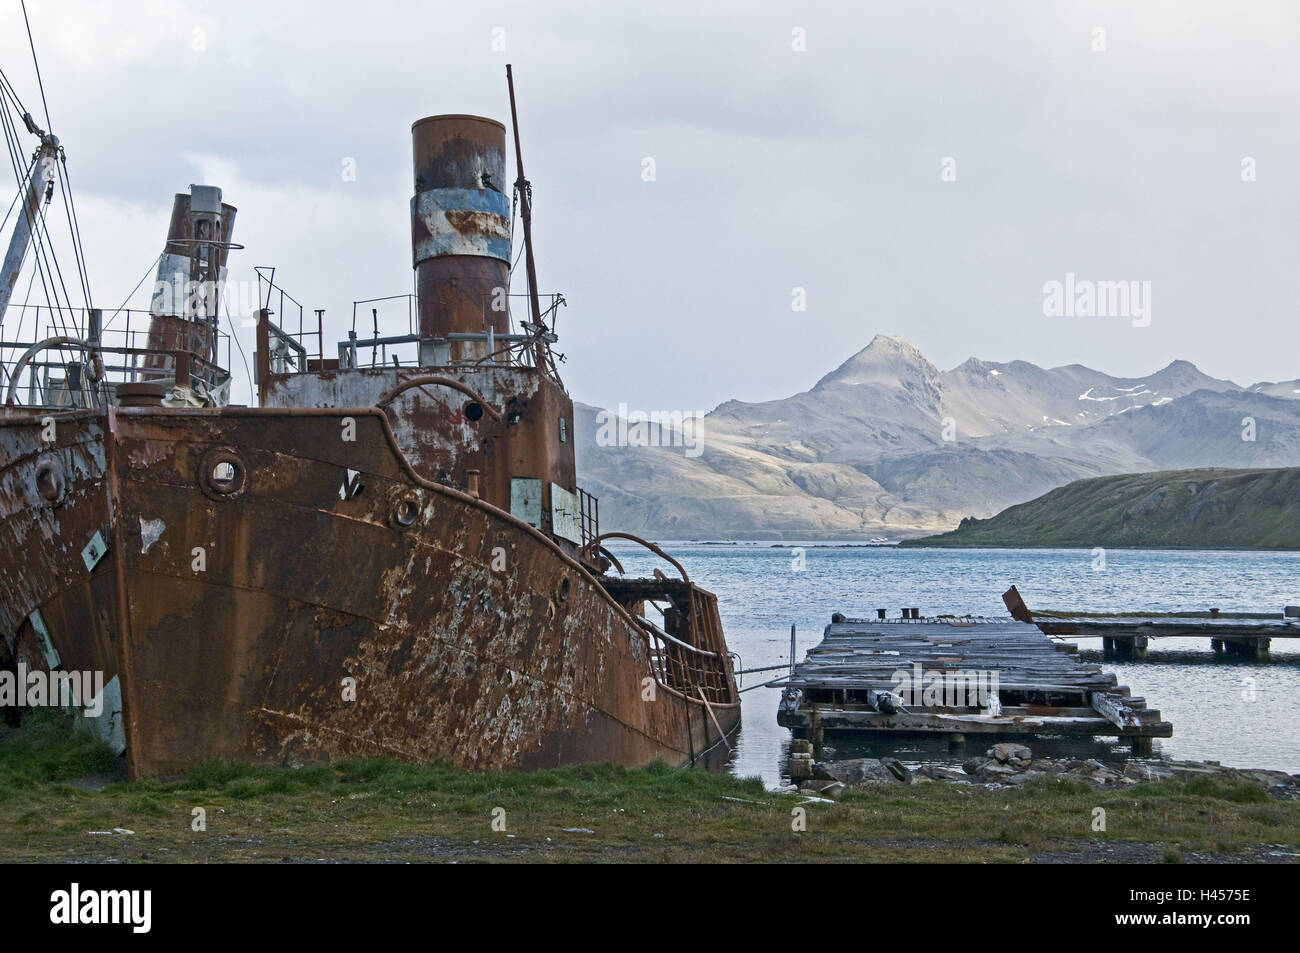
point(38, 188)
point(526, 213)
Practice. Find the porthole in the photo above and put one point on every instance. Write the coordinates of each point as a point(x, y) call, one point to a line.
point(405, 513)
point(49, 482)
point(222, 473)
point(564, 590)
point(473, 411)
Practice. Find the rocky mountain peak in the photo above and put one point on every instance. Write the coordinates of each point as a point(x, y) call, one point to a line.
point(886, 445)
point(887, 361)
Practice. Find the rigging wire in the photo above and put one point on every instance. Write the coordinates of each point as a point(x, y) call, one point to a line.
point(127, 299)
point(66, 191)
point(24, 181)
point(11, 138)
point(22, 312)
point(234, 336)
point(77, 244)
point(18, 335)
point(47, 265)
point(5, 123)
point(43, 245)
point(14, 151)
point(510, 315)
point(51, 258)
point(65, 185)
point(7, 87)
point(35, 62)
point(44, 257)
point(43, 264)
point(19, 195)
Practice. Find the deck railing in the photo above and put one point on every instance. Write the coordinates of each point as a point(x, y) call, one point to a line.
point(61, 374)
point(588, 518)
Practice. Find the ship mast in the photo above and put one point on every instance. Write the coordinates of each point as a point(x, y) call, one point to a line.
point(40, 186)
point(29, 227)
point(525, 191)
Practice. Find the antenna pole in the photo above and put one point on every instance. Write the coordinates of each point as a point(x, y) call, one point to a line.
point(525, 190)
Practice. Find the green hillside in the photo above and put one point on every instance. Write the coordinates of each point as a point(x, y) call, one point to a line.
point(1201, 509)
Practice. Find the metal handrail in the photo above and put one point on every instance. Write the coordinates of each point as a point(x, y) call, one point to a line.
point(646, 623)
point(387, 396)
point(27, 355)
point(637, 539)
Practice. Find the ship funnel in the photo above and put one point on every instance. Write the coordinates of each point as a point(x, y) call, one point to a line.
point(184, 307)
point(460, 236)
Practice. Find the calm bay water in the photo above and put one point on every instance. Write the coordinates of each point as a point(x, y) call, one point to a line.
point(761, 594)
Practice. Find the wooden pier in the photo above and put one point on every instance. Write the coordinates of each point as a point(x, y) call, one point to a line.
point(957, 677)
point(1128, 635)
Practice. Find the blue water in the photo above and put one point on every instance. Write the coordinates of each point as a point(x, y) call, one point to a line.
point(1239, 713)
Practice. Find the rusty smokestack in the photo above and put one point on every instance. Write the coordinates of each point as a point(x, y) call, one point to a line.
point(189, 274)
point(460, 232)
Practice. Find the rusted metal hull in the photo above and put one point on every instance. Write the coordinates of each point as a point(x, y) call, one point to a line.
point(46, 586)
point(386, 560)
point(325, 601)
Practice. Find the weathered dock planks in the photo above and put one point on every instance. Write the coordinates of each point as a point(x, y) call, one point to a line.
point(959, 677)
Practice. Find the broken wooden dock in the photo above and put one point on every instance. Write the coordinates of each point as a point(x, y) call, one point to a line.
point(1128, 635)
point(865, 675)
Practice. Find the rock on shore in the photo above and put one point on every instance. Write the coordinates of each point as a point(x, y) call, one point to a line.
point(1007, 764)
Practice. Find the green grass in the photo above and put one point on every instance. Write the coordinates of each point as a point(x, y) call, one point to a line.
point(381, 810)
point(46, 751)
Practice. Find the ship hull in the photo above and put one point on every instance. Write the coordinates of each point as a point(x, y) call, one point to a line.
point(279, 585)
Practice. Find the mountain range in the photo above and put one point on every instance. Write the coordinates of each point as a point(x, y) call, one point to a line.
point(888, 446)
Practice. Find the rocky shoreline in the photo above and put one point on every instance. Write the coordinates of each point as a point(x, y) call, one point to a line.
point(1011, 765)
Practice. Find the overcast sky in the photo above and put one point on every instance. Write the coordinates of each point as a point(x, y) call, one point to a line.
point(776, 168)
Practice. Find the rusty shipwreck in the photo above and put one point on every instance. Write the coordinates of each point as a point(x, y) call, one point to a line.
point(388, 555)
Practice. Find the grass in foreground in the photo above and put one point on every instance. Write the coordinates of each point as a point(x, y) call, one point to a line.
point(380, 810)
